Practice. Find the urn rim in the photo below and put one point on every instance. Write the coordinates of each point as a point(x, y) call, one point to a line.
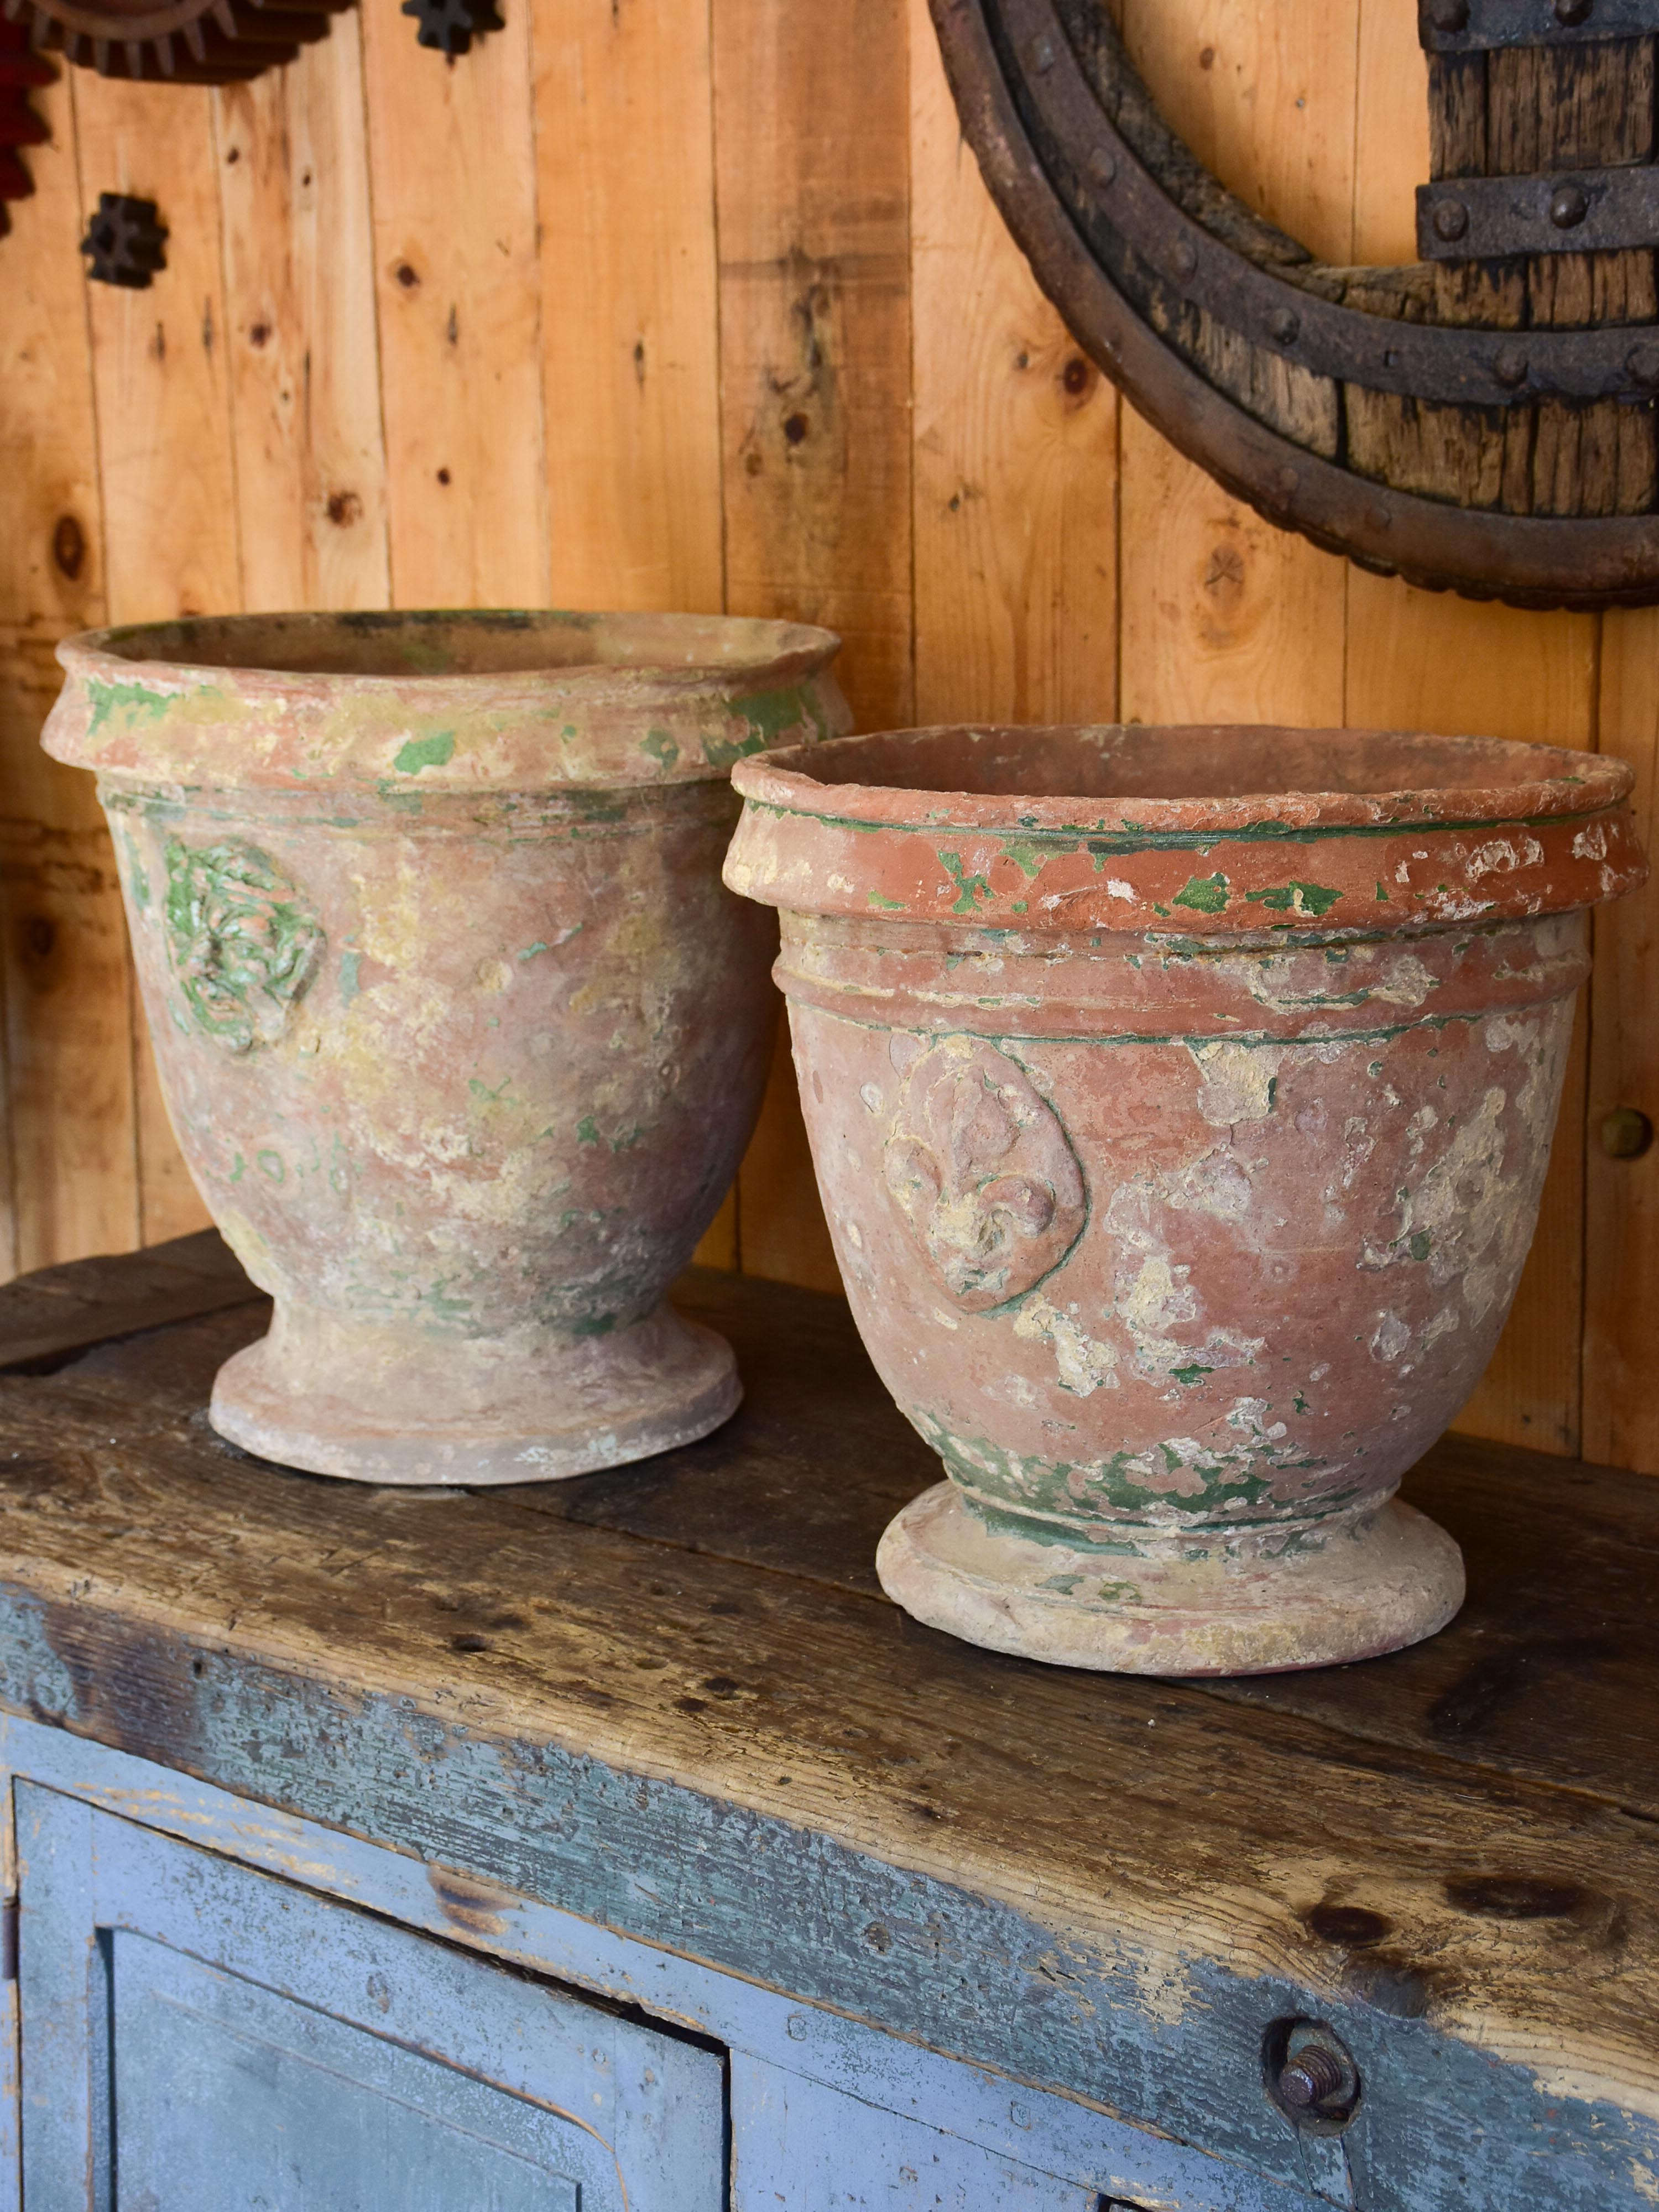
point(456, 700)
point(1526, 780)
point(1245, 832)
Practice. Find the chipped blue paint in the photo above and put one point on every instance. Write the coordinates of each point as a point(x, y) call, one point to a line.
point(782, 1906)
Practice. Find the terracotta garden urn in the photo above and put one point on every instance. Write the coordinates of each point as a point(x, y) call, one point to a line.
point(460, 1032)
point(1180, 1100)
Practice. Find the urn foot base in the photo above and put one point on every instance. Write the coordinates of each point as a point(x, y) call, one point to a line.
point(385, 1405)
point(1375, 1584)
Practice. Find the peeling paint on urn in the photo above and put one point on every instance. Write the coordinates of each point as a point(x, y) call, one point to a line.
point(1181, 1101)
point(461, 1035)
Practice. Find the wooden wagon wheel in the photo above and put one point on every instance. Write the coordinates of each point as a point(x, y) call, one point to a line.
point(178, 41)
point(1483, 420)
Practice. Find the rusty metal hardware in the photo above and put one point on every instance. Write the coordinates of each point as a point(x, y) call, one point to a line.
point(1308, 2081)
point(177, 41)
point(125, 242)
point(1310, 2076)
point(451, 26)
point(1363, 408)
point(1119, 208)
point(1626, 1133)
point(20, 72)
point(1463, 27)
point(1477, 218)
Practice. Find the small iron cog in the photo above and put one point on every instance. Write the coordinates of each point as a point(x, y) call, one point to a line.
point(125, 242)
point(451, 26)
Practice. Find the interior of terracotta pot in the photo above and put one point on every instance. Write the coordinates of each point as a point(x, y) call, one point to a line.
point(488, 642)
point(1200, 761)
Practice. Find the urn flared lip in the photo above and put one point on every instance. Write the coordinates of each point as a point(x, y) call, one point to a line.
point(473, 699)
point(1241, 831)
point(1497, 781)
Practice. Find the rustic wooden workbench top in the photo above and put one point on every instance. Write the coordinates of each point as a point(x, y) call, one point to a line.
point(675, 1700)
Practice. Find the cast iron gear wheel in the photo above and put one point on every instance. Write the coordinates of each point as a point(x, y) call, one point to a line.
point(177, 41)
point(20, 70)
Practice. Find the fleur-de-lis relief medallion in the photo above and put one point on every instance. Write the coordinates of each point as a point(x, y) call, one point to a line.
point(983, 1172)
point(245, 941)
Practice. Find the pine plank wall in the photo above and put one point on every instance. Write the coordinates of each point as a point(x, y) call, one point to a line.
point(700, 303)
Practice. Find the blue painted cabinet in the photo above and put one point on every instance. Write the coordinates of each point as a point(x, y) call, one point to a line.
point(200, 2038)
point(617, 1845)
point(219, 2008)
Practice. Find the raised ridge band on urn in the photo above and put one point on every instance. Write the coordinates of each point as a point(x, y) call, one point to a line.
point(1181, 1101)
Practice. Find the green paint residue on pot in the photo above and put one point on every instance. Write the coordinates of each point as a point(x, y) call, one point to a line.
point(726, 752)
point(1207, 894)
point(587, 1131)
point(1127, 1483)
point(894, 905)
point(659, 745)
point(436, 750)
point(774, 714)
point(350, 986)
point(135, 702)
point(1295, 897)
point(245, 944)
point(1026, 853)
point(271, 1165)
point(972, 888)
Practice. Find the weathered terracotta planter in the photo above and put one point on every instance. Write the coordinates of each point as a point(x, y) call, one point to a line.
point(1181, 1101)
point(458, 1031)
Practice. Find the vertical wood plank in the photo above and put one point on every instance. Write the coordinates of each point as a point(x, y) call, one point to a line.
point(630, 357)
point(1392, 151)
point(453, 173)
point(1621, 1269)
point(164, 448)
point(1225, 617)
point(299, 308)
point(1015, 455)
point(811, 165)
point(159, 359)
point(70, 1153)
point(630, 323)
point(1424, 660)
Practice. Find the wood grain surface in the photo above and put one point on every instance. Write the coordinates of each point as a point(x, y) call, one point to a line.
point(1108, 1884)
point(69, 1182)
point(708, 306)
point(310, 452)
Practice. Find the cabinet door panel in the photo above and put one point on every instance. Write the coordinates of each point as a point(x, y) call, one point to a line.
point(228, 2098)
point(817, 2149)
point(268, 2046)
